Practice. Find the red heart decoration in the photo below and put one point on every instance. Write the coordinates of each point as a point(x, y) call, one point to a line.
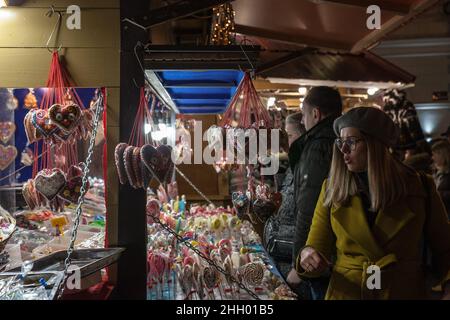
point(7, 130)
point(50, 182)
point(65, 118)
point(30, 130)
point(7, 156)
point(72, 190)
point(42, 123)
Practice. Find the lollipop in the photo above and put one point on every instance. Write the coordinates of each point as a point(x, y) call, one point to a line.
point(187, 280)
point(216, 224)
point(211, 277)
point(153, 208)
point(252, 273)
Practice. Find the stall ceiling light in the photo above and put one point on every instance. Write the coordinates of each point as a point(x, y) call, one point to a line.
point(271, 102)
point(372, 91)
point(302, 91)
point(3, 3)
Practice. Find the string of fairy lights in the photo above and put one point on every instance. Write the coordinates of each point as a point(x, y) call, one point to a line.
point(222, 26)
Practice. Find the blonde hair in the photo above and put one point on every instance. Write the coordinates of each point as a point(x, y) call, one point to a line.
point(443, 149)
point(387, 178)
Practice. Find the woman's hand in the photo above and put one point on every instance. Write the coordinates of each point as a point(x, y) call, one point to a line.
point(312, 261)
point(293, 279)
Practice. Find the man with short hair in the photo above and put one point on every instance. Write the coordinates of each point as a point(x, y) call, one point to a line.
point(310, 159)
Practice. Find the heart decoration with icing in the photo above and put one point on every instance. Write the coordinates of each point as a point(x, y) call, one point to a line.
point(30, 130)
point(41, 121)
point(66, 117)
point(127, 161)
point(149, 157)
point(7, 156)
point(137, 164)
point(50, 182)
point(7, 130)
point(264, 208)
point(120, 166)
point(72, 190)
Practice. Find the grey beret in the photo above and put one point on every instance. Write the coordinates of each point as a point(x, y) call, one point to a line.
point(371, 121)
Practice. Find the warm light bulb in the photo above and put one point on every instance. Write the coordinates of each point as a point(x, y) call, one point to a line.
point(302, 90)
point(372, 91)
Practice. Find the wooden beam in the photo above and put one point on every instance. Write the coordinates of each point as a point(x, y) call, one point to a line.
point(392, 25)
point(283, 60)
point(132, 218)
point(297, 39)
point(175, 11)
point(385, 5)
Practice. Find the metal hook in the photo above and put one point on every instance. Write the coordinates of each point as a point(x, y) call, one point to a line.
point(57, 26)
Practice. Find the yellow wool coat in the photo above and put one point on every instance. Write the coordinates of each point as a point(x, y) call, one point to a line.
point(393, 244)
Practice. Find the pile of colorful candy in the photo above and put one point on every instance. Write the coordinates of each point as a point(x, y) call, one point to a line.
point(177, 272)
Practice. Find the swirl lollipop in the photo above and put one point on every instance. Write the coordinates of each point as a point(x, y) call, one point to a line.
point(252, 273)
point(211, 277)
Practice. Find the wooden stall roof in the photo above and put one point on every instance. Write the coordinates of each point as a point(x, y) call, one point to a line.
point(329, 24)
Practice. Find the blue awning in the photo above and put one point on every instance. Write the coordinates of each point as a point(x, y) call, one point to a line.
point(201, 92)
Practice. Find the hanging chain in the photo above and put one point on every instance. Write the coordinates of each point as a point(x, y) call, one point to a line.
point(83, 190)
point(206, 258)
point(193, 186)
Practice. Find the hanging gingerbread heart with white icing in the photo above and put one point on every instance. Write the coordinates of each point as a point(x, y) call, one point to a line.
point(65, 118)
point(50, 182)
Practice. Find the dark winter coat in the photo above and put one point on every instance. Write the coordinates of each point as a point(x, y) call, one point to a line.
point(310, 159)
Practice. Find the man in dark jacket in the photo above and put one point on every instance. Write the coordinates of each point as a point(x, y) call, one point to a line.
point(310, 159)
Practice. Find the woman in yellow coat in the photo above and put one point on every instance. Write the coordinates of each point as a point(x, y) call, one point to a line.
point(372, 216)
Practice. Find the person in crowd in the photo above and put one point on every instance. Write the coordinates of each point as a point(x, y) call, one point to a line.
point(441, 159)
point(375, 213)
point(279, 230)
point(446, 134)
point(419, 157)
point(310, 159)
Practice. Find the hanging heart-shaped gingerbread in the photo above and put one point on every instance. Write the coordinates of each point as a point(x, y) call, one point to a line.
point(72, 190)
point(149, 157)
point(136, 164)
point(29, 194)
point(7, 130)
point(7, 156)
point(120, 166)
point(42, 123)
point(30, 101)
point(66, 117)
point(165, 164)
point(128, 163)
point(30, 130)
point(50, 182)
